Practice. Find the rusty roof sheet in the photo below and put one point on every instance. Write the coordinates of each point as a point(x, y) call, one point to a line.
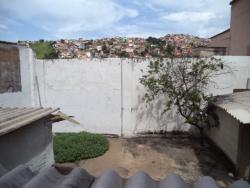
point(237, 105)
point(22, 176)
point(15, 118)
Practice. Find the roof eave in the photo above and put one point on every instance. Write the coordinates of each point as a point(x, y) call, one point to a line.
point(227, 30)
point(233, 1)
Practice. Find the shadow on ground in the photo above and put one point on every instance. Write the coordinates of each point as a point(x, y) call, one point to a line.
point(192, 160)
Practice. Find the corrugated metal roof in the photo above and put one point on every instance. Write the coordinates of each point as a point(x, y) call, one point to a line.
point(237, 105)
point(49, 177)
point(14, 118)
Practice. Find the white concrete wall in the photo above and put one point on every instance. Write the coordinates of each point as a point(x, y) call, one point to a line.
point(106, 97)
point(239, 70)
point(138, 116)
point(26, 97)
point(89, 90)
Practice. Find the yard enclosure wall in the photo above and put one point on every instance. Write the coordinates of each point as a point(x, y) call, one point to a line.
point(105, 96)
point(24, 96)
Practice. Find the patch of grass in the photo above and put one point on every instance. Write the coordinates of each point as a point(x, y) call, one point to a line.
point(44, 50)
point(69, 147)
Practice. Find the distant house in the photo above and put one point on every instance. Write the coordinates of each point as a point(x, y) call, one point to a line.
point(208, 51)
point(220, 43)
point(231, 129)
point(236, 40)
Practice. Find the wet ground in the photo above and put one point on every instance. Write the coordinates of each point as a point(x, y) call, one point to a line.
point(160, 156)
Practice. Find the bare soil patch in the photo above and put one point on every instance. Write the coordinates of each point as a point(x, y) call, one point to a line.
point(160, 156)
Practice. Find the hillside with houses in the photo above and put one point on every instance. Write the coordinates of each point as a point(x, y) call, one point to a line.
point(119, 47)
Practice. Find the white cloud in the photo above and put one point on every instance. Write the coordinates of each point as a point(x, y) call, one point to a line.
point(3, 27)
point(209, 31)
point(180, 4)
point(101, 18)
point(197, 17)
point(65, 18)
point(190, 16)
point(135, 31)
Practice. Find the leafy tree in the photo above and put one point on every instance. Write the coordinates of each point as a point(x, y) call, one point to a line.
point(110, 42)
point(105, 49)
point(184, 82)
point(123, 54)
point(44, 50)
point(169, 51)
point(143, 53)
point(155, 41)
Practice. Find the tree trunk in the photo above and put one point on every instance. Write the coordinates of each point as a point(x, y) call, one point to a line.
point(201, 130)
point(201, 136)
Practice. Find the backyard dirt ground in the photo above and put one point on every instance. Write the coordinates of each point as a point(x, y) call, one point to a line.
point(160, 156)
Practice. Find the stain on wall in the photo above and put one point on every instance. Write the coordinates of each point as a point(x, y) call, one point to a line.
point(10, 76)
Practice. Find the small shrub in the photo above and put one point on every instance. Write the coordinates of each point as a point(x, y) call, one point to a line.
point(70, 147)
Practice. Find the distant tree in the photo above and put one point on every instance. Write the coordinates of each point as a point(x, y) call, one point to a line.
point(89, 42)
point(110, 42)
point(136, 52)
point(169, 51)
point(93, 52)
point(184, 83)
point(44, 50)
point(123, 54)
point(105, 49)
point(51, 52)
point(143, 53)
point(155, 41)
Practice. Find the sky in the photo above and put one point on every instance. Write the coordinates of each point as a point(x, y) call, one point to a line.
point(91, 19)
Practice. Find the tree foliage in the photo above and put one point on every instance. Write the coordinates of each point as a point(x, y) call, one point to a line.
point(155, 41)
point(184, 82)
point(44, 50)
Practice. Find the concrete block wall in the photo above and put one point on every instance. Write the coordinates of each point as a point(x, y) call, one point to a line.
point(89, 90)
point(105, 95)
point(26, 96)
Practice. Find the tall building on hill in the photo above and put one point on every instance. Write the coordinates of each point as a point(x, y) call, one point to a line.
point(221, 43)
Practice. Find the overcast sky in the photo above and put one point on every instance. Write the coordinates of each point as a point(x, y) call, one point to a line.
point(55, 19)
